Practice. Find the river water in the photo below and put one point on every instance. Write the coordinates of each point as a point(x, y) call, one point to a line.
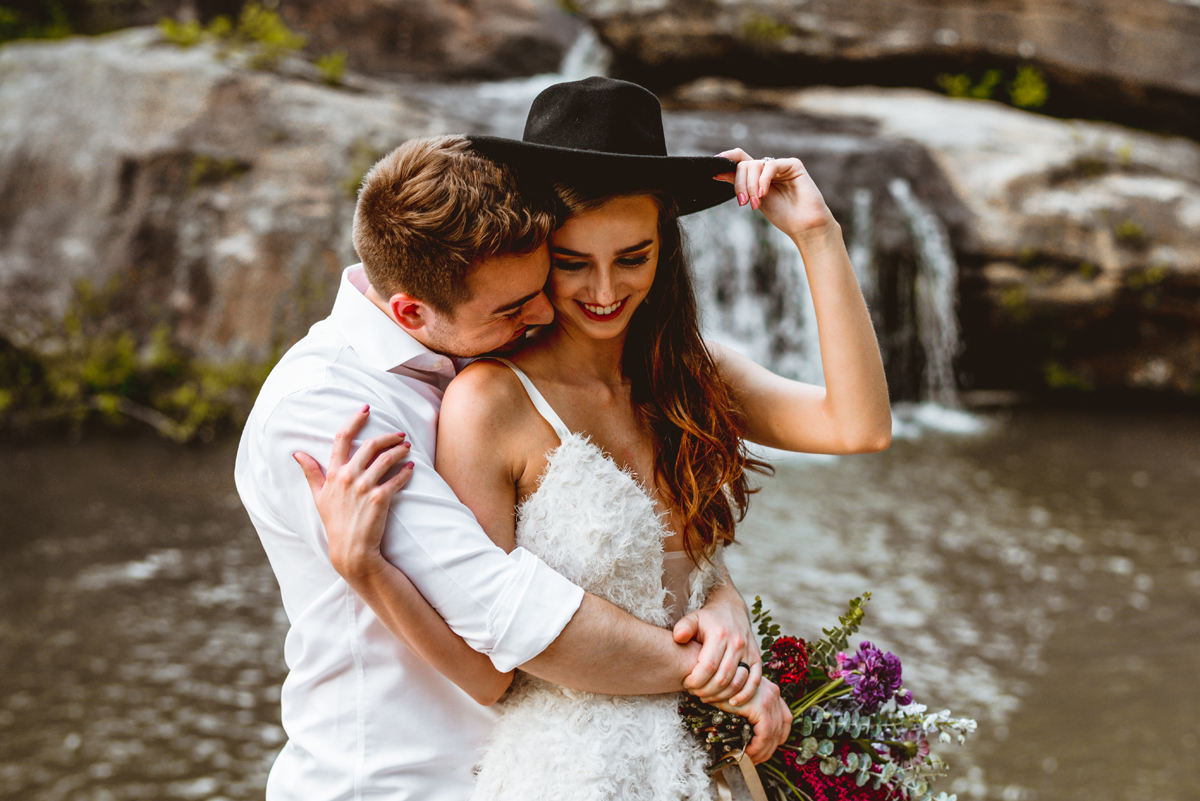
point(1040, 575)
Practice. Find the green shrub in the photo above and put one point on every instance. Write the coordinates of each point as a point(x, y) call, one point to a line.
point(268, 35)
point(1131, 234)
point(764, 29)
point(961, 86)
point(101, 371)
point(261, 34)
point(362, 158)
point(212, 170)
point(1059, 377)
point(184, 33)
point(51, 23)
point(332, 67)
point(1028, 89)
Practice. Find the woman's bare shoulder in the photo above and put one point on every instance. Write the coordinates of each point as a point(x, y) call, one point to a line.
point(487, 392)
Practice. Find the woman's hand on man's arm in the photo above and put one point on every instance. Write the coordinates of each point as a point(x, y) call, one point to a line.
point(729, 667)
point(353, 497)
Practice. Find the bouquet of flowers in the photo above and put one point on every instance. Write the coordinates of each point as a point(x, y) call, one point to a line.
point(856, 732)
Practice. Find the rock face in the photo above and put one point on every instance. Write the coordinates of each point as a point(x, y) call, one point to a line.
point(1132, 62)
point(426, 38)
point(1080, 263)
point(474, 39)
point(184, 190)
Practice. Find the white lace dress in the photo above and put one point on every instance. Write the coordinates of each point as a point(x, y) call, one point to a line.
point(595, 524)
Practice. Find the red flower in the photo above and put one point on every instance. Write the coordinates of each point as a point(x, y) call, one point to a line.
point(820, 787)
point(789, 656)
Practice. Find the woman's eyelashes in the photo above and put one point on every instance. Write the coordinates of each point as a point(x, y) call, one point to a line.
point(624, 261)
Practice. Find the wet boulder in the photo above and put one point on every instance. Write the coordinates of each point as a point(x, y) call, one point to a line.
point(166, 186)
point(1132, 62)
point(486, 39)
point(1080, 262)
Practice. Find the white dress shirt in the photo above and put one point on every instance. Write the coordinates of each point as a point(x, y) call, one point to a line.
point(365, 717)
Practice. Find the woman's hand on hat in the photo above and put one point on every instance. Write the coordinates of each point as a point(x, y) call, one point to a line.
point(781, 188)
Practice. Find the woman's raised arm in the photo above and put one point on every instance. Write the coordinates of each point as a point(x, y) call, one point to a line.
point(851, 413)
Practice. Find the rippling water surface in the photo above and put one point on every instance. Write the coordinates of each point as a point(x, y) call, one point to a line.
point(1040, 575)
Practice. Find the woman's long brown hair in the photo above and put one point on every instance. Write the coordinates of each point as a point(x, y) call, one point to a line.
point(701, 463)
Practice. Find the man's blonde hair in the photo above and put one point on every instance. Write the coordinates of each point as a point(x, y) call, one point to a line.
point(430, 208)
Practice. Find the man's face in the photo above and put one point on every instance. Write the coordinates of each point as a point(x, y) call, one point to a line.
point(506, 298)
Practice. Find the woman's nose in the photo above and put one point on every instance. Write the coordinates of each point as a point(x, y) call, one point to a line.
point(603, 287)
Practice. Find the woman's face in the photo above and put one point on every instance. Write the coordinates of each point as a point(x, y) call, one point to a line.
point(602, 265)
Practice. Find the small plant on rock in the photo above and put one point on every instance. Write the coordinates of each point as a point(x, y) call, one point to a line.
point(332, 67)
point(260, 34)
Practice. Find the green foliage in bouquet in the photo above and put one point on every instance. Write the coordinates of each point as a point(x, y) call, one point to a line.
point(856, 733)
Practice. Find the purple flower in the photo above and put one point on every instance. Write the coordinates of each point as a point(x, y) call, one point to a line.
point(873, 676)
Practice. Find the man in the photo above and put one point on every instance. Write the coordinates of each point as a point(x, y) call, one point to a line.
point(454, 260)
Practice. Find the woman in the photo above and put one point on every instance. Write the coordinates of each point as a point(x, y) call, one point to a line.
point(617, 434)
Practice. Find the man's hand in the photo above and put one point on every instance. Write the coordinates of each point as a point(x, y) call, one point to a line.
point(768, 713)
point(723, 627)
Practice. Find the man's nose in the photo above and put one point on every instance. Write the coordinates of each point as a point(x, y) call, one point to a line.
point(538, 311)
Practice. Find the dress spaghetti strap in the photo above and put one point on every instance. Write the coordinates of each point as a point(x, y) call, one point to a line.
point(539, 402)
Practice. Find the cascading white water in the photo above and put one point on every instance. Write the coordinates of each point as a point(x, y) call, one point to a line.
point(862, 244)
point(936, 294)
point(752, 290)
point(586, 57)
point(754, 293)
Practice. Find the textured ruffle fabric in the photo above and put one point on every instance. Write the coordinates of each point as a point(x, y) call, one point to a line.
point(596, 525)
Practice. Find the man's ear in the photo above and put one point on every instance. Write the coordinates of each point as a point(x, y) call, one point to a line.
point(410, 313)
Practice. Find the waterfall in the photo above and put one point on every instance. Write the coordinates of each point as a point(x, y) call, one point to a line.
point(936, 292)
point(752, 290)
point(862, 245)
point(586, 57)
point(754, 294)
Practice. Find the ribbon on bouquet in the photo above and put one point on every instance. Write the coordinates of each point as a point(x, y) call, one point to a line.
point(749, 776)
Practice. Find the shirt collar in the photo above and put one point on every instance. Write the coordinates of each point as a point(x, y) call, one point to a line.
point(375, 336)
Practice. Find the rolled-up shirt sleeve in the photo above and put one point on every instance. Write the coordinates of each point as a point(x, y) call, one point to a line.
point(510, 606)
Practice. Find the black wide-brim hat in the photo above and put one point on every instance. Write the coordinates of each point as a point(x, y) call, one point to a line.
point(607, 134)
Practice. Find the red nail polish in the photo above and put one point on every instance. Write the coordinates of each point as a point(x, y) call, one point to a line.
point(754, 203)
point(409, 465)
point(366, 408)
point(741, 198)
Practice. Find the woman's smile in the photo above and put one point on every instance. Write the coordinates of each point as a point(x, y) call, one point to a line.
point(602, 313)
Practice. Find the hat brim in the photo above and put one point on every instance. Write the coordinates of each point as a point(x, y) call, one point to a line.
point(688, 179)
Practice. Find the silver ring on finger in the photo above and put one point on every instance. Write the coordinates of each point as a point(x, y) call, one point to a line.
point(768, 158)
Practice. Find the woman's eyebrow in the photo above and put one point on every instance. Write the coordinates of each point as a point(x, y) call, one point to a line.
point(568, 252)
point(638, 246)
